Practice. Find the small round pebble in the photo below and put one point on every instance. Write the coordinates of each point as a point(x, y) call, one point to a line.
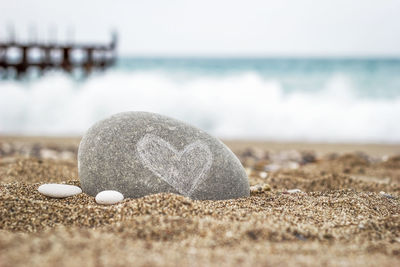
point(109, 197)
point(294, 191)
point(59, 190)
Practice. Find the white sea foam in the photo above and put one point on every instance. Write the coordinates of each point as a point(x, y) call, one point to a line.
point(241, 106)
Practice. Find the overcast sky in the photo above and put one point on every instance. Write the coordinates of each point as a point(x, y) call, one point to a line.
point(218, 27)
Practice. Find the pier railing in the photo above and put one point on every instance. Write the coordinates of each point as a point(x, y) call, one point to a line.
point(17, 58)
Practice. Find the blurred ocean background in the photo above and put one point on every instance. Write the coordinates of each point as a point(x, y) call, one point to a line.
point(277, 99)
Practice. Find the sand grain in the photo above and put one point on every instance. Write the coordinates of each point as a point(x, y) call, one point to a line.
point(340, 218)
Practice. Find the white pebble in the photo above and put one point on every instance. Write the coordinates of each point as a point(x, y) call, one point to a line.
point(263, 175)
point(272, 167)
point(293, 191)
point(293, 165)
point(59, 190)
point(109, 197)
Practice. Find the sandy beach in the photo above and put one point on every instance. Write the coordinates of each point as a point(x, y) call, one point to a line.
point(345, 213)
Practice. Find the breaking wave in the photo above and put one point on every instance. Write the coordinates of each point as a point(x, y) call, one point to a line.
point(245, 106)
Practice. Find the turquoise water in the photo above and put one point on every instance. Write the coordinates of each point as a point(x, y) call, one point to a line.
point(313, 100)
point(368, 77)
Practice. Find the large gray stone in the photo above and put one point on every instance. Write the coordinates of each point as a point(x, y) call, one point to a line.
point(141, 153)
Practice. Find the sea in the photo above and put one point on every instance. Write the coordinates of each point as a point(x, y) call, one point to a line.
point(337, 100)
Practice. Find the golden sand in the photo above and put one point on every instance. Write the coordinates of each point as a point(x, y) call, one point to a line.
point(347, 213)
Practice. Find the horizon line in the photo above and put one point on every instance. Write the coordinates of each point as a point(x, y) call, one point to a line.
point(258, 56)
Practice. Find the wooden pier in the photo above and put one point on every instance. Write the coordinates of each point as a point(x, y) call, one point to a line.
point(17, 58)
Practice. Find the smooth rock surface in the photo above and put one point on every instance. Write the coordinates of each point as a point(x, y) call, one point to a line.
point(59, 190)
point(141, 153)
point(109, 197)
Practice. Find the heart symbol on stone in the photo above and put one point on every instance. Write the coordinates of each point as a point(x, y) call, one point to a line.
point(184, 170)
